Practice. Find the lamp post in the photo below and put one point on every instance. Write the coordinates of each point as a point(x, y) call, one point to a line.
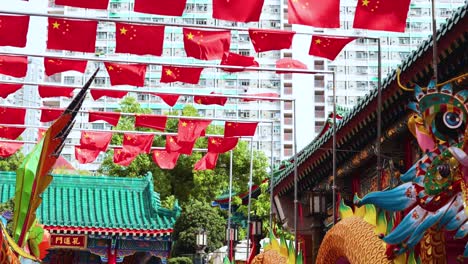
point(231, 239)
point(256, 227)
point(201, 242)
point(317, 206)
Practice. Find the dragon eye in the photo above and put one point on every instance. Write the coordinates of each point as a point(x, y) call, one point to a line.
point(452, 120)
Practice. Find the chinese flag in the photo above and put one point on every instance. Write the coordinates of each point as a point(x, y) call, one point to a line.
point(124, 157)
point(95, 140)
point(73, 35)
point(97, 93)
point(169, 99)
point(9, 148)
point(221, 145)
point(172, 8)
point(138, 142)
point(328, 47)
point(15, 66)
point(272, 95)
point(270, 39)
point(287, 63)
point(206, 45)
point(50, 114)
point(208, 162)
point(95, 4)
point(13, 116)
point(240, 11)
point(139, 39)
point(173, 145)
point(239, 129)
point(315, 13)
point(234, 59)
point(14, 30)
point(126, 74)
point(157, 122)
point(171, 74)
point(7, 89)
point(85, 155)
point(165, 160)
point(189, 129)
point(210, 100)
point(53, 66)
point(110, 117)
point(54, 91)
point(386, 15)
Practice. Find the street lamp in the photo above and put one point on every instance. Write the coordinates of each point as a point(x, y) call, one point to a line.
point(257, 232)
point(231, 238)
point(201, 242)
point(317, 203)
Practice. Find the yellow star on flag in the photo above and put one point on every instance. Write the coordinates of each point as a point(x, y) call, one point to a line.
point(318, 41)
point(184, 124)
point(56, 25)
point(214, 141)
point(123, 31)
point(365, 2)
point(168, 72)
point(171, 140)
point(190, 36)
point(199, 101)
point(110, 68)
point(157, 154)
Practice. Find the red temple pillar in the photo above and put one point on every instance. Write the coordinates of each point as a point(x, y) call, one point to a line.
point(111, 256)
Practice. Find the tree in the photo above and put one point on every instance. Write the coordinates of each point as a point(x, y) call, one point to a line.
point(11, 163)
point(197, 216)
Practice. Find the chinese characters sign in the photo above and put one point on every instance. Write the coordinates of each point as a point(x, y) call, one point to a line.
point(68, 241)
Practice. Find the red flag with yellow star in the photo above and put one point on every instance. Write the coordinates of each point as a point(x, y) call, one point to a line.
point(136, 39)
point(124, 157)
point(13, 30)
point(6, 89)
point(327, 46)
point(11, 132)
point(385, 15)
point(234, 59)
point(126, 74)
point(288, 63)
point(98, 93)
point(95, 4)
point(208, 162)
point(172, 8)
point(221, 145)
point(157, 122)
point(190, 129)
point(270, 39)
point(210, 100)
point(85, 155)
point(95, 140)
point(15, 66)
point(240, 11)
point(110, 117)
point(73, 35)
point(46, 91)
point(169, 99)
point(173, 145)
point(315, 13)
point(272, 95)
point(165, 160)
point(53, 65)
point(9, 148)
point(140, 143)
point(171, 74)
point(206, 45)
point(50, 114)
point(12, 116)
point(240, 129)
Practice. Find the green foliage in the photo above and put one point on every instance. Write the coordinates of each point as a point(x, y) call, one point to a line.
point(195, 217)
point(179, 260)
point(11, 163)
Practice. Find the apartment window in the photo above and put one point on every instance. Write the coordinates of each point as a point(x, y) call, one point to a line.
point(244, 82)
point(69, 80)
point(288, 90)
point(244, 52)
point(361, 70)
point(102, 35)
point(97, 125)
point(404, 41)
point(202, 7)
point(244, 37)
point(361, 85)
point(200, 21)
point(319, 65)
point(361, 54)
point(319, 81)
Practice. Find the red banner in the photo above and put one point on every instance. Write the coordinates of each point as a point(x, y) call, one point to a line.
point(68, 241)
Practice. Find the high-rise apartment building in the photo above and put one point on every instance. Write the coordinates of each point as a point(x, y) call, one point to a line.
point(356, 66)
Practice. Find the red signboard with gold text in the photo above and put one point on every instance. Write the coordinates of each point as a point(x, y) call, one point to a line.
point(68, 241)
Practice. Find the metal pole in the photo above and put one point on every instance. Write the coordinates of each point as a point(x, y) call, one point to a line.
point(272, 174)
point(250, 196)
point(295, 178)
point(229, 206)
point(434, 40)
point(334, 148)
point(379, 115)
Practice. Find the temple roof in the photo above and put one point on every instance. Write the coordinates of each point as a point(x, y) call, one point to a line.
point(99, 204)
point(283, 177)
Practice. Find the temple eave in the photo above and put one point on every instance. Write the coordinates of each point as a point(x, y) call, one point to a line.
point(108, 231)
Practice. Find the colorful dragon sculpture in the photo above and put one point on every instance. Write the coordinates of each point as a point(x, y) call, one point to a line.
point(433, 194)
point(32, 179)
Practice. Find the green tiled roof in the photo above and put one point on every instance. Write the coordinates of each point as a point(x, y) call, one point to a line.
point(317, 143)
point(100, 202)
